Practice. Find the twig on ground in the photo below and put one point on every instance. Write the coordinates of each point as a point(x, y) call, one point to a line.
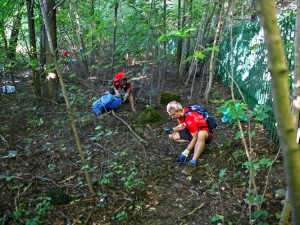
point(104, 148)
point(129, 127)
point(89, 216)
point(192, 212)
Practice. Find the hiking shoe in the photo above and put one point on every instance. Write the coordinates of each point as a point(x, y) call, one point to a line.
point(133, 109)
point(190, 167)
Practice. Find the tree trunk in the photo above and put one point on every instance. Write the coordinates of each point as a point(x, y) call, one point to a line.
point(83, 46)
point(114, 38)
point(50, 87)
point(280, 92)
point(12, 44)
point(179, 42)
point(285, 214)
point(33, 51)
point(213, 58)
point(53, 52)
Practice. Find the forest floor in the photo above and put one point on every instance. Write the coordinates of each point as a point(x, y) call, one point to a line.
point(134, 182)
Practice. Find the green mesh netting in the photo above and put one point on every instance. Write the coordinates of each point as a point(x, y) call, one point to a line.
point(244, 57)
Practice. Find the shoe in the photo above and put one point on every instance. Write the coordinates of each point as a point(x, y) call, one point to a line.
point(190, 167)
point(133, 109)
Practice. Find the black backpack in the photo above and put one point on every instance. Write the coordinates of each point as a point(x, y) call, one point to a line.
point(211, 121)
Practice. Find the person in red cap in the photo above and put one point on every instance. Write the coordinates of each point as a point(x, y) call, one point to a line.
point(120, 83)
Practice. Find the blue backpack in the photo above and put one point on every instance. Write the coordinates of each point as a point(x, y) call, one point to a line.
point(106, 102)
point(211, 121)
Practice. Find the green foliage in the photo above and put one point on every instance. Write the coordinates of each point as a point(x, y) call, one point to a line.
point(254, 200)
point(257, 163)
point(106, 178)
point(44, 206)
point(260, 213)
point(3, 220)
point(217, 217)
point(260, 112)
point(121, 216)
point(182, 33)
point(233, 110)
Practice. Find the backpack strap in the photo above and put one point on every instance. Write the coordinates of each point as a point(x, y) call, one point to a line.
point(185, 114)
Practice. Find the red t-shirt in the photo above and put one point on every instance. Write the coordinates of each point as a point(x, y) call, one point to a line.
point(118, 84)
point(193, 121)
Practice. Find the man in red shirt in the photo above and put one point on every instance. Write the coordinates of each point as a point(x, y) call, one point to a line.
point(120, 84)
point(193, 129)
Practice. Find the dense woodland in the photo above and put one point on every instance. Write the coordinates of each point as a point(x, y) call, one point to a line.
point(61, 164)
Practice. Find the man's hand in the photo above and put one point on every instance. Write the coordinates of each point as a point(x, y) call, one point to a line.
point(183, 156)
point(169, 130)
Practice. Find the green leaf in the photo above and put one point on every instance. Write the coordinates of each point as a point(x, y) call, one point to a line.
point(213, 48)
point(217, 217)
point(260, 213)
point(222, 173)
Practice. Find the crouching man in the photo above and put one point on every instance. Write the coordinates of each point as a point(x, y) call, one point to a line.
point(192, 129)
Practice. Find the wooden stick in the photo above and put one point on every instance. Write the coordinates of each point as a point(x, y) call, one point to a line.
point(129, 127)
point(192, 212)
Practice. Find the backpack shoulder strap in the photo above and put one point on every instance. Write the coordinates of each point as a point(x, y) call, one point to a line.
point(187, 112)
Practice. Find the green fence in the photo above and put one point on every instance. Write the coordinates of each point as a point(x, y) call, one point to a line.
point(243, 56)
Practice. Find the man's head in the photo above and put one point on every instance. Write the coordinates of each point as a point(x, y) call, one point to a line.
point(175, 110)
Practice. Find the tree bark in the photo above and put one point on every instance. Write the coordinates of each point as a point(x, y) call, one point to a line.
point(179, 42)
point(51, 85)
point(285, 214)
point(114, 38)
point(213, 58)
point(81, 37)
point(280, 92)
point(33, 50)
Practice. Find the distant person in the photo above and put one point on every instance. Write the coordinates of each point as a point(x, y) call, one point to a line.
point(192, 129)
point(65, 58)
point(121, 83)
point(64, 54)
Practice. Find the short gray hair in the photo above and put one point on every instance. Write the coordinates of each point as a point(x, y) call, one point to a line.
point(176, 106)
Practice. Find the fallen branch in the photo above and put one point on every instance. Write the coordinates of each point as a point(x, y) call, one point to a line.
point(192, 212)
point(129, 127)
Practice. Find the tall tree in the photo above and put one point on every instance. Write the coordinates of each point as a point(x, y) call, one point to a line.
point(114, 37)
point(280, 92)
point(52, 47)
point(51, 84)
point(13, 41)
point(33, 50)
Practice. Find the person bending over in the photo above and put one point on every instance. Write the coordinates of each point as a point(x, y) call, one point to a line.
point(120, 83)
point(192, 129)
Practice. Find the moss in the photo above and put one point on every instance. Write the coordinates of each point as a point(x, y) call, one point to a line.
point(167, 97)
point(149, 115)
point(58, 197)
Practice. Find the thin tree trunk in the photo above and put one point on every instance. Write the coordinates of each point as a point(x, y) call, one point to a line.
point(76, 135)
point(12, 44)
point(213, 59)
point(280, 92)
point(114, 38)
point(83, 46)
point(51, 85)
point(179, 42)
point(33, 50)
point(285, 214)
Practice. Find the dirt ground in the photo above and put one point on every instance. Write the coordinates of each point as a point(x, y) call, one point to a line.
point(136, 180)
